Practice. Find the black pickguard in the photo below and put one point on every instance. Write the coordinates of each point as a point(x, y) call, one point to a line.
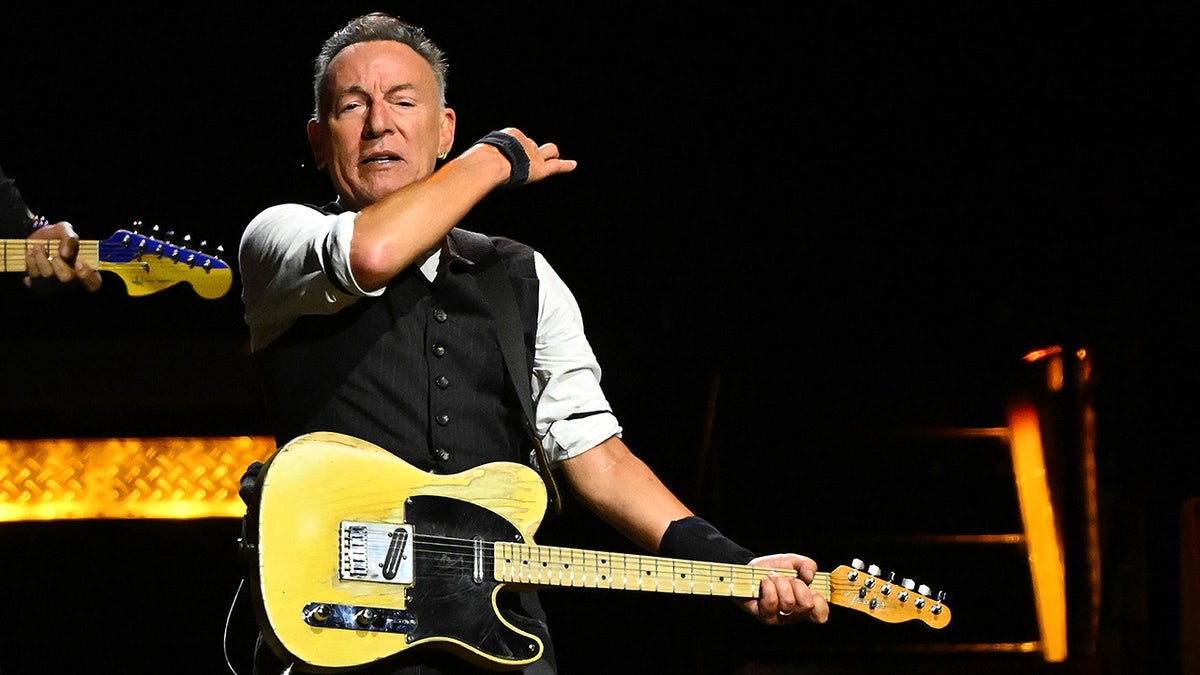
point(445, 598)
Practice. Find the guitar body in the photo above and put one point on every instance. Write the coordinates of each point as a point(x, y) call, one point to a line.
point(323, 493)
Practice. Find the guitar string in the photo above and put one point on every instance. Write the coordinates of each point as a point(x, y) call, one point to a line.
point(573, 555)
point(15, 250)
point(618, 564)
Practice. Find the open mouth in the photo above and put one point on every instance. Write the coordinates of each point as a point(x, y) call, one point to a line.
point(381, 158)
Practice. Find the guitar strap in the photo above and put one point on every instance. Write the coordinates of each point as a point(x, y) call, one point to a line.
point(497, 288)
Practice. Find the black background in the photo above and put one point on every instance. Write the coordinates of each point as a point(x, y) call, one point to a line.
point(855, 215)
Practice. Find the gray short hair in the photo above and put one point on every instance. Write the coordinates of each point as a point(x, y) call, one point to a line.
point(371, 27)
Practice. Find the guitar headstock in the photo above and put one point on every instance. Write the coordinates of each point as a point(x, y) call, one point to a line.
point(882, 598)
point(149, 264)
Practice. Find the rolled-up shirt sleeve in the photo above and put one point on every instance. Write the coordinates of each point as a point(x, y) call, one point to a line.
point(573, 414)
point(295, 260)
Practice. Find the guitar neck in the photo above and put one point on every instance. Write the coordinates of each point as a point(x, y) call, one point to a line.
point(15, 250)
point(533, 565)
point(146, 265)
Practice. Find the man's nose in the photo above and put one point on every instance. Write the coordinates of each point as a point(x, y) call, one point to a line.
point(379, 120)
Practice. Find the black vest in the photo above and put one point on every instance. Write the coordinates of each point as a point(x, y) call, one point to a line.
point(418, 370)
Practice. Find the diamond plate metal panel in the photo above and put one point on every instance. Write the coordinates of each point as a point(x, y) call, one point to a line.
point(46, 479)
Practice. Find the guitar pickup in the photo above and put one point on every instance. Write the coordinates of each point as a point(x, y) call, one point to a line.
point(379, 552)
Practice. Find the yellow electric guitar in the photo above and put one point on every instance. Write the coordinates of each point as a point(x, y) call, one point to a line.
point(358, 553)
point(146, 264)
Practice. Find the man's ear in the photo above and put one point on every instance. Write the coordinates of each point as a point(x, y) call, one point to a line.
point(316, 141)
point(446, 136)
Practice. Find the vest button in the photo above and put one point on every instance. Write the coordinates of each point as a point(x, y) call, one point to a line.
point(439, 351)
point(440, 315)
point(442, 382)
point(442, 454)
point(443, 419)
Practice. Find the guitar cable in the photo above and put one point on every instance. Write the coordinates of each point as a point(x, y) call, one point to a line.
point(229, 621)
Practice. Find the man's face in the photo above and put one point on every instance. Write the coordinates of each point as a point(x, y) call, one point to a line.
point(384, 124)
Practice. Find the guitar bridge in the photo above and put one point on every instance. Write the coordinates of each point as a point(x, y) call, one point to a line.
point(380, 552)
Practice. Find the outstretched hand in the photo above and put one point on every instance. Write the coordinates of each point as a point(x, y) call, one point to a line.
point(544, 159)
point(784, 598)
point(48, 271)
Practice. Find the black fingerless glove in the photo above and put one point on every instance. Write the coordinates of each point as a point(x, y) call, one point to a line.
point(694, 538)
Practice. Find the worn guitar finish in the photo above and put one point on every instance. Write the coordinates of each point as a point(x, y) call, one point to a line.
point(146, 264)
point(358, 550)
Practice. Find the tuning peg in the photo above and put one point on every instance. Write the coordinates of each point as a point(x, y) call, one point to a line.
point(856, 565)
point(937, 609)
point(908, 583)
point(136, 226)
point(187, 241)
point(203, 245)
point(923, 589)
point(874, 570)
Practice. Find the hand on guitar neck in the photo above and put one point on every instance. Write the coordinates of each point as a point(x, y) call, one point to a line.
point(54, 258)
point(50, 268)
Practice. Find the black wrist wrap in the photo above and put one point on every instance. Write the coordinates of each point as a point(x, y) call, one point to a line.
point(694, 538)
point(513, 151)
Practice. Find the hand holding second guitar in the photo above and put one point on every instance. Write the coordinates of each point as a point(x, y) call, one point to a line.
point(48, 271)
point(785, 598)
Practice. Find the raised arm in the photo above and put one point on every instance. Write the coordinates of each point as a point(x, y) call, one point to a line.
point(399, 229)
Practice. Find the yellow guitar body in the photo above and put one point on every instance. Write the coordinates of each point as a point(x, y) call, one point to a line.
point(307, 495)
